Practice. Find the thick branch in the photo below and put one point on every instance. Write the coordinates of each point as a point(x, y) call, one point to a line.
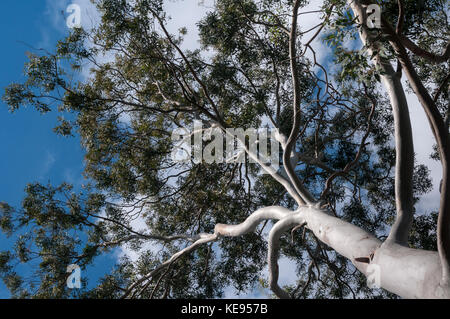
point(274, 249)
point(440, 131)
point(407, 272)
point(269, 169)
point(290, 145)
point(403, 133)
point(249, 225)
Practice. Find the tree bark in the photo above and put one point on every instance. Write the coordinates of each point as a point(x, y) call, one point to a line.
point(440, 131)
point(404, 147)
point(406, 272)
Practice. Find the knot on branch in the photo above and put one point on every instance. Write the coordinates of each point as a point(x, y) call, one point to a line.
point(366, 260)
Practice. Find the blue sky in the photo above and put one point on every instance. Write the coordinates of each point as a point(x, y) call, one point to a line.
point(31, 152)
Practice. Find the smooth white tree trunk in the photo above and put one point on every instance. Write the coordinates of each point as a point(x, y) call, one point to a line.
point(406, 272)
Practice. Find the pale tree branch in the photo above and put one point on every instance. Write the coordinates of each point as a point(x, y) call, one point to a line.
point(394, 261)
point(440, 131)
point(407, 272)
point(249, 225)
point(290, 144)
point(268, 169)
point(403, 133)
point(204, 238)
point(274, 250)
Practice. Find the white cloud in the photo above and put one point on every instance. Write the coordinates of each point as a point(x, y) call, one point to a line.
point(308, 19)
point(138, 225)
point(187, 14)
point(50, 160)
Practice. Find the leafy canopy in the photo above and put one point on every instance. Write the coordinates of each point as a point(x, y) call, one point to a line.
point(142, 85)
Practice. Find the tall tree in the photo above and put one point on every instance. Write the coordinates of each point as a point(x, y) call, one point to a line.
point(346, 175)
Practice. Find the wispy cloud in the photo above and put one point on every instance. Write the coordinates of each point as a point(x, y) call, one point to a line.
point(47, 165)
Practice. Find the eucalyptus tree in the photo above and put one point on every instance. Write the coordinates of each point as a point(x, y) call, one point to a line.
point(345, 185)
